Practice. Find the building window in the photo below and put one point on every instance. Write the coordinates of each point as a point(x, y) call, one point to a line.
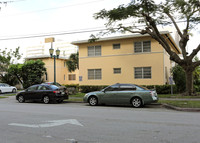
point(142, 72)
point(117, 70)
point(64, 76)
point(116, 46)
point(64, 63)
point(94, 74)
point(72, 77)
point(94, 51)
point(142, 47)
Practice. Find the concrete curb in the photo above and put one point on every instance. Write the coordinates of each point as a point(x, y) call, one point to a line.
point(180, 109)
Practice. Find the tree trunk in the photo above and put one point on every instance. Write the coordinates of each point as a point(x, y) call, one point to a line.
point(189, 82)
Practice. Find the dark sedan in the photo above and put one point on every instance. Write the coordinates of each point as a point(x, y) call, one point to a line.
point(44, 93)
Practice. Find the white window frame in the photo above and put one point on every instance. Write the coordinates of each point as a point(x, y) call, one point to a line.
point(93, 51)
point(142, 47)
point(142, 75)
point(71, 77)
point(93, 74)
point(117, 71)
point(116, 46)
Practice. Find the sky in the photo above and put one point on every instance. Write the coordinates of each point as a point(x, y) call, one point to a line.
point(25, 18)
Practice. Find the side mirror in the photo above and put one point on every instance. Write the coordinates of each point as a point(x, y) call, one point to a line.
point(103, 90)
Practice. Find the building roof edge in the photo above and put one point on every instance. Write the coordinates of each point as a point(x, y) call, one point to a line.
point(116, 37)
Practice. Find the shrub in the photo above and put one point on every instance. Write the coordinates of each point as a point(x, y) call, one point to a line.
point(163, 89)
point(72, 88)
point(160, 89)
point(90, 88)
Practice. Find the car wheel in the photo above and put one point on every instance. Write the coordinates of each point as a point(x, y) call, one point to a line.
point(137, 102)
point(0, 92)
point(93, 101)
point(21, 99)
point(46, 99)
point(14, 90)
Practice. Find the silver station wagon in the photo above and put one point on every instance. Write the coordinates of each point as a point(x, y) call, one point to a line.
point(116, 94)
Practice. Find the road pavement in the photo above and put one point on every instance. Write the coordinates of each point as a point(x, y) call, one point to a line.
point(62, 123)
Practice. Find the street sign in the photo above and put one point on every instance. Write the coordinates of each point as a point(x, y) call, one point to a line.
point(171, 82)
point(49, 40)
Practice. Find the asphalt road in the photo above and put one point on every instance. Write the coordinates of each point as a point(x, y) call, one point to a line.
point(61, 123)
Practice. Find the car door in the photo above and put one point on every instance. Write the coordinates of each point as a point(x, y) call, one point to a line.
point(31, 92)
point(41, 90)
point(109, 96)
point(2, 88)
point(125, 93)
point(7, 88)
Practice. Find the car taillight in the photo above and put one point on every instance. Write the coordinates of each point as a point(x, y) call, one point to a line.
point(56, 91)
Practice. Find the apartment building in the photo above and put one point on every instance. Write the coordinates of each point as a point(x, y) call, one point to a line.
point(41, 51)
point(135, 58)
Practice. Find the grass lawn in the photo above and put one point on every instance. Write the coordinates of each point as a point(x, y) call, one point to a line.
point(11, 94)
point(182, 104)
point(3, 97)
point(78, 95)
point(176, 96)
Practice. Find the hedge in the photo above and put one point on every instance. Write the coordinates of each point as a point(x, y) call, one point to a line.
point(160, 89)
point(163, 89)
point(90, 88)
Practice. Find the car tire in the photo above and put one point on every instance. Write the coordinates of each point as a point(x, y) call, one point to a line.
point(136, 102)
point(14, 90)
point(21, 99)
point(0, 91)
point(46, 99)
point(93, 101)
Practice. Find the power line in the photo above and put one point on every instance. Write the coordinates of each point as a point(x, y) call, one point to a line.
point(51, 34)
point(53, 8)
point(77, 31)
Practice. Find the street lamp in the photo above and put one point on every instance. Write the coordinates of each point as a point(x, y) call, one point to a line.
point(51, 51)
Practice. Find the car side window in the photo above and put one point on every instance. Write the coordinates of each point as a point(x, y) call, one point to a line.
point(112, 88)
point(32, 88)
point(127, 88)
point(42, 87)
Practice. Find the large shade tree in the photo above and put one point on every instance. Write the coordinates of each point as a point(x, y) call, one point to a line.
point(152, 15)
point(7, 58)
point(29, 73)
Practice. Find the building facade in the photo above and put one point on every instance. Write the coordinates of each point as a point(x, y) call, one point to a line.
point(137, 59)
point(41, 51)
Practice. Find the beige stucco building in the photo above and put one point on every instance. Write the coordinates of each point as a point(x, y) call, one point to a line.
point(137, 59)
point(41, 51)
